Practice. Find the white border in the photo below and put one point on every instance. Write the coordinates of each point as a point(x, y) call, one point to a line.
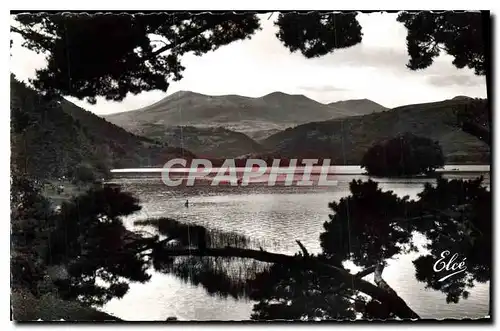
point(188, 5)
point(254, 5)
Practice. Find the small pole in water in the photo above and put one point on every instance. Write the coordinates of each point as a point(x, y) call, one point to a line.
point(186, 204)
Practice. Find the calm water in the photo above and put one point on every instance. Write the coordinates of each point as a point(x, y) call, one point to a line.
point(278, 216)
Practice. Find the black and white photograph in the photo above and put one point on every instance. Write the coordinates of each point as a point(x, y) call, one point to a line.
point(236, 166)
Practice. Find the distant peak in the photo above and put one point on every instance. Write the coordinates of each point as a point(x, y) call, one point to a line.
point(275, 94)
point(461, 97)
point(353, 100)
point(181, 93)
point(356, 101)
point(279, 94)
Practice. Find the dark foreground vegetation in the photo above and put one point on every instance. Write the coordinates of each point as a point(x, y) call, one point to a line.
point(87, 240)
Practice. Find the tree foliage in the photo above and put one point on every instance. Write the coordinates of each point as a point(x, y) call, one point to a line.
point(361, 227)
point(31, 221)
point(285, 292)
point(466, 229)
point(316, 34)
point(86, 237)
point(403, 155)
point(111, 55)
point(381, 227)
point(459, 34)
point(92, 241)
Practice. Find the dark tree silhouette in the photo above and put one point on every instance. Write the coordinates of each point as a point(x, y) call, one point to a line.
point(465, 228)
point(31, 220)
point(454, 33)
point(370, 226)
point(361, 227)
point(111, 55)
point(86, 237)
point(316, 34)
point(289, 292)
point(403, 155)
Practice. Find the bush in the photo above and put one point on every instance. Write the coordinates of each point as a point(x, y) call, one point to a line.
point(403, 155)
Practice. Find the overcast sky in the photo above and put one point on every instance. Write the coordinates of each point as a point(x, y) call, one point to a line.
point(374, 69)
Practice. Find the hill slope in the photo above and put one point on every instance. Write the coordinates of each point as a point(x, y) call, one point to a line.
point(58, 136)
point(256, 117)
point(215, 142)
point(357, 107)
point(345, 141)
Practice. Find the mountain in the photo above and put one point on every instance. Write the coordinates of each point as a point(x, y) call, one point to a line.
point(357, 107)
point(255, 117)
point(215, 142)
point(344, 141)
point(461, 97)
point(52, 138)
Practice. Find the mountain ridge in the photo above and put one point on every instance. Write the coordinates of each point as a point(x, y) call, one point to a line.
point(186, 93)
point(255, 117)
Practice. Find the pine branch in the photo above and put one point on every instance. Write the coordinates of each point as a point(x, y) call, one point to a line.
point(380, 281)
point(182, 40)
point(390, 299)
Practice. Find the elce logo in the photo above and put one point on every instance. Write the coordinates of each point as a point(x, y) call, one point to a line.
point(451, 265)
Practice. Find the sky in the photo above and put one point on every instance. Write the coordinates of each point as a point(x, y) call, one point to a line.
point(375, 70)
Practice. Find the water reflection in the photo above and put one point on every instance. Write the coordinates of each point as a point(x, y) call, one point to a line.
point(277, 216)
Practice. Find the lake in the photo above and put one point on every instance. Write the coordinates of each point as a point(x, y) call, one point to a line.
point(277, 216)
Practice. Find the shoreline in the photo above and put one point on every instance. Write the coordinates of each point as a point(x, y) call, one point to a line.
point(335, 169)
